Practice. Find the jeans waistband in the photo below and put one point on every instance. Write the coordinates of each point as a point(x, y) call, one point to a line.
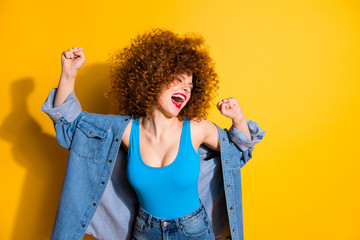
point(161, 222)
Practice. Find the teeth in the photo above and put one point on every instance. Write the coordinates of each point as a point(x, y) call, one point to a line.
point(179, 95)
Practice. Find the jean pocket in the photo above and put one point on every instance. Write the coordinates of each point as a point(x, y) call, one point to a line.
point(196, 228)
point(88, 140)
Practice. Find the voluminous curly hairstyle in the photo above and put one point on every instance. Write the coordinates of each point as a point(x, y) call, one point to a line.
point(140, 71)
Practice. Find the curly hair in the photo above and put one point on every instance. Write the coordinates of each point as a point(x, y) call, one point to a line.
point(151, 62)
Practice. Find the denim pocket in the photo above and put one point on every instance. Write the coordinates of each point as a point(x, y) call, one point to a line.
point(88, 140)
point(196, 228)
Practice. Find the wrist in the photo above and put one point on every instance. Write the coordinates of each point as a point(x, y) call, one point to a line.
point(238, 120)
point(68, 74)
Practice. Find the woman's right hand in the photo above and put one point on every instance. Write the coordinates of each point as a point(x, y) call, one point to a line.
point(72, 59)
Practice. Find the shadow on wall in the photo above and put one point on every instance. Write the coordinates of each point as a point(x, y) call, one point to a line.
point(40, 154)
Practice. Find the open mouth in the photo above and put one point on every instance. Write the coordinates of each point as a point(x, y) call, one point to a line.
point(178, 99)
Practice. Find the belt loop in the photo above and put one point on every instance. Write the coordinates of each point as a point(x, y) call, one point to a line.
point(162, 227)
point(149, 222)
point(178, 227)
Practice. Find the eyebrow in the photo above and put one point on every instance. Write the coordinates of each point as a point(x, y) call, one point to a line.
point(184, 79)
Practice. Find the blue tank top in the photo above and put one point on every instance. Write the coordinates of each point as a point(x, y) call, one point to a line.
point(165, 192)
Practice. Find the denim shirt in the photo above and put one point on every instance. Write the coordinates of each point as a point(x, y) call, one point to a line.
point(96, 197)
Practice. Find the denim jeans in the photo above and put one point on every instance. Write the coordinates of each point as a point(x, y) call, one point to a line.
point(195, 225)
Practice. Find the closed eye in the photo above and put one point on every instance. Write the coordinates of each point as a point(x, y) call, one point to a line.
point(190, 84)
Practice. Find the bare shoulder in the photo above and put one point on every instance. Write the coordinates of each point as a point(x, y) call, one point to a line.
point(203, 125)
point(126, 136)
point(204, 131)
point(197, 126)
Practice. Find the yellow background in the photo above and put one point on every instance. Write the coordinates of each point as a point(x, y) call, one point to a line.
point(292, 65)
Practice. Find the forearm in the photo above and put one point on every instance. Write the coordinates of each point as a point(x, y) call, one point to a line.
point(242, 125)
point(65, 87)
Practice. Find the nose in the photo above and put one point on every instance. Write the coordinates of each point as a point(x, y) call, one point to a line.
point(186, 88)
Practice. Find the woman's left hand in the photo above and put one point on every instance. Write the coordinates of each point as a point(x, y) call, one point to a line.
point(229, 107)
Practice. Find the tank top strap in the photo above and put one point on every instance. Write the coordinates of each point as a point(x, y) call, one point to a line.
point(186, 129)
point(185, 141)
point(134, 136)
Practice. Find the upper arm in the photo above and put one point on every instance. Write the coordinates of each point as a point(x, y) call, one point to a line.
point(126, 136)
point(211, 135)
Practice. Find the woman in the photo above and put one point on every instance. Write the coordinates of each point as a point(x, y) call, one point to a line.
point(164, 82)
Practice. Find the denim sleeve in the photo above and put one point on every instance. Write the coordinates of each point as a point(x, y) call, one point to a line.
point(64, 117)
point(69, 110)
point(241, 140)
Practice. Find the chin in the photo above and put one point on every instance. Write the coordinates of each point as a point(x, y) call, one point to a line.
point(175, 114)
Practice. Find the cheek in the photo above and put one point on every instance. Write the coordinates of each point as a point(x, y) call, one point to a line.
point(188, 99)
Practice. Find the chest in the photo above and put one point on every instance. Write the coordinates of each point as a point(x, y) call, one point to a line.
point(163, 151)
point(159, 153)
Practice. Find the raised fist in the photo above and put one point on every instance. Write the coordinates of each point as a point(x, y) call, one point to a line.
point(72, 59)
point(229, 107)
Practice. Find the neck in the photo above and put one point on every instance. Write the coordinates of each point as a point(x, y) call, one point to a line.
point(159, 125)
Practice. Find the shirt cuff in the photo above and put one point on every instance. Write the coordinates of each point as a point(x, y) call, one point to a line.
point(241, 140)
point(69, 110)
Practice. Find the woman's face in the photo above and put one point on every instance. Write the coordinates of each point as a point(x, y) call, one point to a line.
point(176, 96)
